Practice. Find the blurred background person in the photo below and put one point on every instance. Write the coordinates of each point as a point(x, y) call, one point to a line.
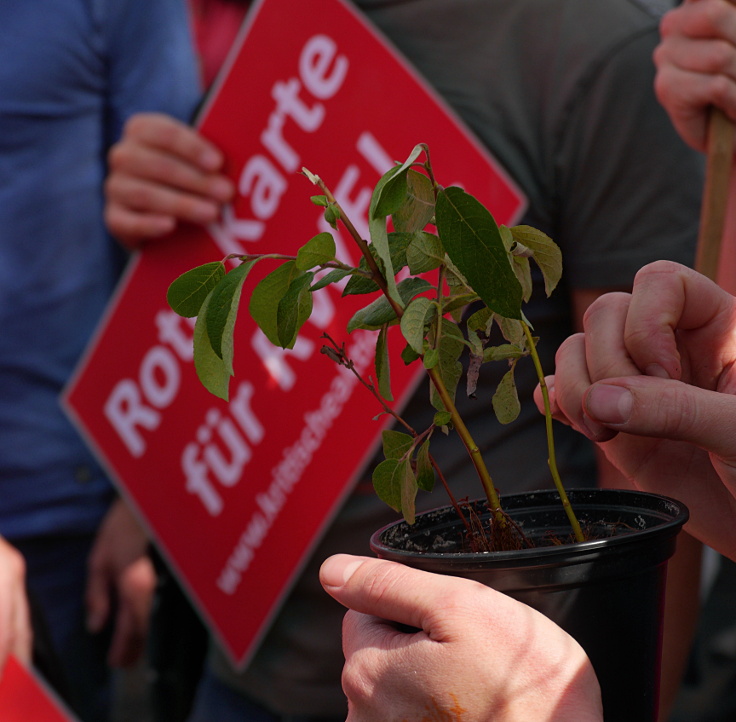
point(71, 73)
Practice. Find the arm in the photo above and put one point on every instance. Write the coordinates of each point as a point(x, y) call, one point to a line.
point(475, 652)
point(120, 584)
point(15, 625)
point(162, 173)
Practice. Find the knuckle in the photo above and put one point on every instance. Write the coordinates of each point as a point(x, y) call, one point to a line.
point(613, 301)
point(118, 155)
point(355, 683)
point(136, 125)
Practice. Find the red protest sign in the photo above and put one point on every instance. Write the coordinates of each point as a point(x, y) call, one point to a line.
point(237, 493)
point(25, 698)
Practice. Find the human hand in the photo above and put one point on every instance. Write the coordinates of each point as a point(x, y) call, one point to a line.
point(16, 636)
point(122, 579)
point(162, 172)
point(696, 65)
point(652, 380)
point(477, 654)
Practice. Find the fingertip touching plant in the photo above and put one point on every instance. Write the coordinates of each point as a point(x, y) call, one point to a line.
point(481, 277)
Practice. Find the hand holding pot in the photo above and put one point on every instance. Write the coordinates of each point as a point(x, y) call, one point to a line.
point(652, 380)
point(162, 172)
point(475, 654)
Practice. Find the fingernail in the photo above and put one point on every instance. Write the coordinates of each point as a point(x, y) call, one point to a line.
point(609, 404)
point(336, 571)
point(657, 371)
point(594, 431)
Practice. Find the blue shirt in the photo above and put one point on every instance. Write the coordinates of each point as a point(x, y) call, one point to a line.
point(71, 72)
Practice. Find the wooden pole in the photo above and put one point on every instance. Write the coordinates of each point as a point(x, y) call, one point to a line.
point(715, 193)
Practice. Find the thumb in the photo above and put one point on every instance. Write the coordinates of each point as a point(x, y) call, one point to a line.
point(666, 409)
point(386, 589)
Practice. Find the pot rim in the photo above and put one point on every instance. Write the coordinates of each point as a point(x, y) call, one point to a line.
point(672, 513)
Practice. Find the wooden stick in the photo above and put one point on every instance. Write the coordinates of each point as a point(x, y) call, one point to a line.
point(715, 193)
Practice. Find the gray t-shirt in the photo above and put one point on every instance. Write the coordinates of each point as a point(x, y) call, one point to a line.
point(561, 92)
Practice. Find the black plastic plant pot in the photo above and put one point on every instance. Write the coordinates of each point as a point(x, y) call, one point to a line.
point(608, 593)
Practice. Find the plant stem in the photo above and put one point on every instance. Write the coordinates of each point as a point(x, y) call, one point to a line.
point(450, 495)
point(343, 360)
point(376, 274)
point(552, 458)
point(470, 445)
point(462, 430)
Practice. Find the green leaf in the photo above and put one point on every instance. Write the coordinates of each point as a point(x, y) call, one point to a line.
point(511, 330)
point(451, 372)
point(386, 483)
point(409, 355)
point(481, 320)
point(451, 347)
point(424, 253)
point(187, 293)
point(211, 369)
point(452, 341)
point(319, 201)
point(418, 206)
point(425, 471)
point(504, 352)
point(383, 367)
point(378, 313)
point(442, 418)
point(266, 297)
point(409, 486)
point(396, 485)
point(457, 303)
point(414, 321)
point(379, 242)
point(397, 243)
point(335, 275)
point(390, 194)
point(431, 358)
point(360, 284)
point(479, 329)
point(506, 400)
point(387, 197)
point(317, 250)
point(455, 279)
point(223, 310)
point(523, 271)
point(547, 254)
point(396, 443)
point(332, 214)
point(473, 242)
point(507, 237)
point(293, 310)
